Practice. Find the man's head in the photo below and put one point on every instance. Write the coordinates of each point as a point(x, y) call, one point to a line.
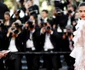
point(70, 8)
point(30, 3)
point(44, 13)
point(31, 25)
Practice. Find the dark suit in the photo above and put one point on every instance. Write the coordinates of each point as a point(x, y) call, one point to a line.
point(43, 21)
point(72, 17)
point(60, 20)
point(18, 42)
point(13, 61)
point(72, 20)
point(50, 60)
point(26, 18)
point(69, 60)
point(32, 60)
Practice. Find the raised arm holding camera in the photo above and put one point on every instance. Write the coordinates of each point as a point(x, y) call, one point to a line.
point(49, 43)
point(13, 43)
point(31, 42)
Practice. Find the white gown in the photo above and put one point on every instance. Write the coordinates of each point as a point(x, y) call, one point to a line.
point(79, 46)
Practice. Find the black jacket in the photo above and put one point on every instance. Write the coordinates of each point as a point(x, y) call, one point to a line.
point(18, 42)
point(60, 20)
point(35, 37)
point(53, 38)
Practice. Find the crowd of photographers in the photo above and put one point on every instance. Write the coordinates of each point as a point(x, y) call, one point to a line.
point(37, 34)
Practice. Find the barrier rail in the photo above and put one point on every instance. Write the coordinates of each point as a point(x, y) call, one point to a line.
point(23, 53)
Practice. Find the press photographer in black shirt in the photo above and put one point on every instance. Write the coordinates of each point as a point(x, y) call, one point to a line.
point(31, 42)
point(49, 43)
point(13, 43)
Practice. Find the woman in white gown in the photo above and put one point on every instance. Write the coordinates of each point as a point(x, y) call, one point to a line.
point(79, 40)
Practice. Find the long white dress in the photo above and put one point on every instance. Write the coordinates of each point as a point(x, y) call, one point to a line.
point(79, 46)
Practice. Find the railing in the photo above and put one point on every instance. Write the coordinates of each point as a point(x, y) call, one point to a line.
point(23, 53)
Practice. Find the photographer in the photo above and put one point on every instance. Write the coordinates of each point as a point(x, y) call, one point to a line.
point(30, 9)
point(59, 19)
point(72, 20)
point(31, 42)
point(49, 43)
point(16, 16)
point(14, 44)
point(68, 46)
point(44, 17)
point(35, 21)
point(70, 14)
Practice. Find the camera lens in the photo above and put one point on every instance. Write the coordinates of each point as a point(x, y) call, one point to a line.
point(48, 28)
point(69, 11)
point(16, 31)
point(12, 28)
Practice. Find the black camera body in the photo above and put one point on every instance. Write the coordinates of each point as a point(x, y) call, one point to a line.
point(69, 11)
point(48, 28)
point(14, 30)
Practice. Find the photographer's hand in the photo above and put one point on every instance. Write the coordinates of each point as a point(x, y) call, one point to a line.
point(64, 36)
point(9, 31)
point(51, 31)
point(74, 23)
point(5, 52)
point(54, 26)
point(1, 55)
point(43, 30)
